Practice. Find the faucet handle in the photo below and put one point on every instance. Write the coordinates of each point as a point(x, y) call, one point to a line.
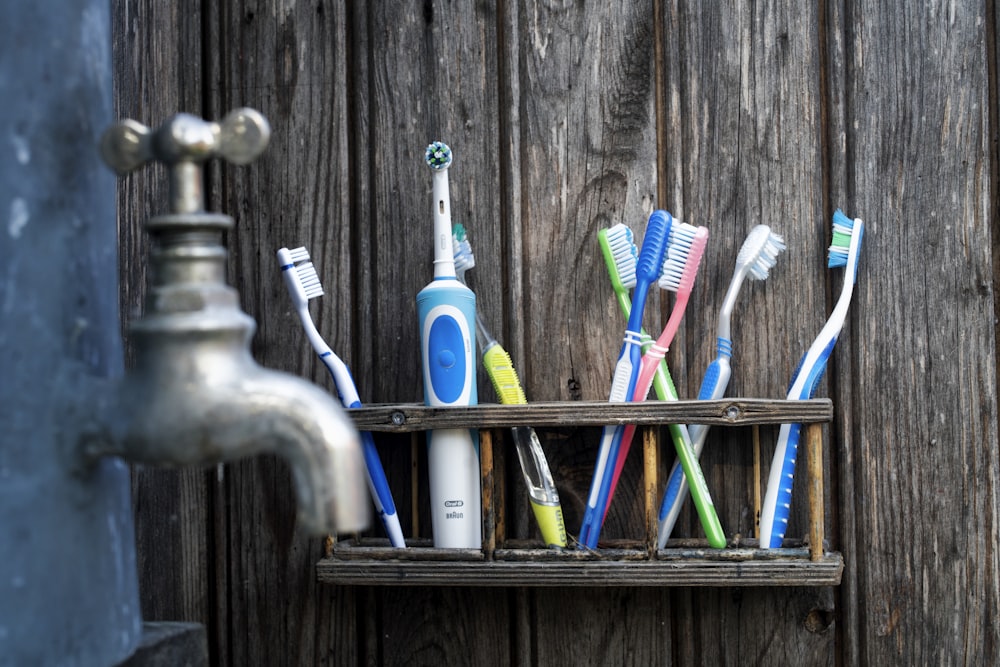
point(183, 142)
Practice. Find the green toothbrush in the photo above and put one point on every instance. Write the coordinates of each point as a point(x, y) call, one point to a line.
point(620, 257)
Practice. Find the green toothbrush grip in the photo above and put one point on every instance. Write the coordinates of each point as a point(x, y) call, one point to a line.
point(699, 489)
point(665, 390)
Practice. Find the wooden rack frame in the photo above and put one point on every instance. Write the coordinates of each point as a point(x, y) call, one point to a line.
point(685, 562)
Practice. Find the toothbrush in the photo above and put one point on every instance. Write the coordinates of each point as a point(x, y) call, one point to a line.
point(542, 492)
point(620, 257)
point(626, 369)
point(844, 252)
point(447, 313)
point(303, 284)
point(755, 259)
point(680, 267)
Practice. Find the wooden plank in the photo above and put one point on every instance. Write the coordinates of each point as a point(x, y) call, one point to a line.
point(569, 573)
point(402, 418)
point(920, 159)
point(157, 64)
point(425, 72)
point(744, 146)
point(582, 150)
point(814, 469)
point(443, 625)
point(287, 60)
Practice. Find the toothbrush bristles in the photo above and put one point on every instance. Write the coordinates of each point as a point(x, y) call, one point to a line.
point(462, 250)
point(767, 256)
point(682, 236)
point(438, 156)
point(299, 255)
point(309, 280)
point(843, 227)
point(625, 254)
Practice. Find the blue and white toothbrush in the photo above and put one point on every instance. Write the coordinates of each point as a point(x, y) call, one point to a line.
point(447, 312)
point(303, 284)
point(756, 257)
point(844, 252)
point(654, 244)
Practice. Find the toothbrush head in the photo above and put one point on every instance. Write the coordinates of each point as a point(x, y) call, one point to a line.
point(759, 252)
point(845, 248)
point(620, 256)
point(684, 251)
point(841, 243)
point(462, 250)
point(438, 156)
point(300, 275)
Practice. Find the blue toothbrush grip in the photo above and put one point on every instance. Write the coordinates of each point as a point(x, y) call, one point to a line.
point(447, 312)
point(597, 517)
point(377, 475)
point(783, 497)
point(783, 501)
point(710, 381)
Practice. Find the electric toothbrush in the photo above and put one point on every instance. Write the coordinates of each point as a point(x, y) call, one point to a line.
point(447, 313)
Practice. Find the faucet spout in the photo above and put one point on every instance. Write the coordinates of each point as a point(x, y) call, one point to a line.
point(203, 411)
point(306, 428)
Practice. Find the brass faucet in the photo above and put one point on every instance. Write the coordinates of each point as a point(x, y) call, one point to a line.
point(195, 395)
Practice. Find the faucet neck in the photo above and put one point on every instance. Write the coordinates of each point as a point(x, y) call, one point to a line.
point(187, 251)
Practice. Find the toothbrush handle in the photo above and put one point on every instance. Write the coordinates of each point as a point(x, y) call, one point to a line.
point(379, 486)
point(542, 491)
point(446, 310)
point(713, 386)
point(665, 390)
point(776, 507)
point(600, 488)
point(377, 482)
point(689, 463)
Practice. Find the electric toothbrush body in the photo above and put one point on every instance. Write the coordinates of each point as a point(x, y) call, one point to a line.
point(447, 313)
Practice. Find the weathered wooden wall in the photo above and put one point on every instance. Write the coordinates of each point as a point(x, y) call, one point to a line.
point(566, 117)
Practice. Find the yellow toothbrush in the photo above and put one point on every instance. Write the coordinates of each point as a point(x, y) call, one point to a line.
point(537, 477)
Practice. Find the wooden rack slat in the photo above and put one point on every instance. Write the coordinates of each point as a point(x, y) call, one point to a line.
point(406, 417)
point(794, 568)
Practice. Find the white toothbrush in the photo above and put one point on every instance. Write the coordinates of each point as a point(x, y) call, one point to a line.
point(303, 284)
point(755, 259)
point(845, 251)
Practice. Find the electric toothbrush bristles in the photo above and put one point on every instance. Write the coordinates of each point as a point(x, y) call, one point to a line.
point(438, 156)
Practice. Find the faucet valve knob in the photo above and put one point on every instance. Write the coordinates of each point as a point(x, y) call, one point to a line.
point(183, 143)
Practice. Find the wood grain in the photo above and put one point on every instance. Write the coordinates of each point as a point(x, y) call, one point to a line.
point(158, 69)
point(925, 481)
point(406, 417)
point(744, 147)
point(565, 118)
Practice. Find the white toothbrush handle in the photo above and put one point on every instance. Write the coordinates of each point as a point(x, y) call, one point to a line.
point(453, 465)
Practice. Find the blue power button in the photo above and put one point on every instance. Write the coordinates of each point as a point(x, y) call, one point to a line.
point(447, 348)
point(446, 358)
